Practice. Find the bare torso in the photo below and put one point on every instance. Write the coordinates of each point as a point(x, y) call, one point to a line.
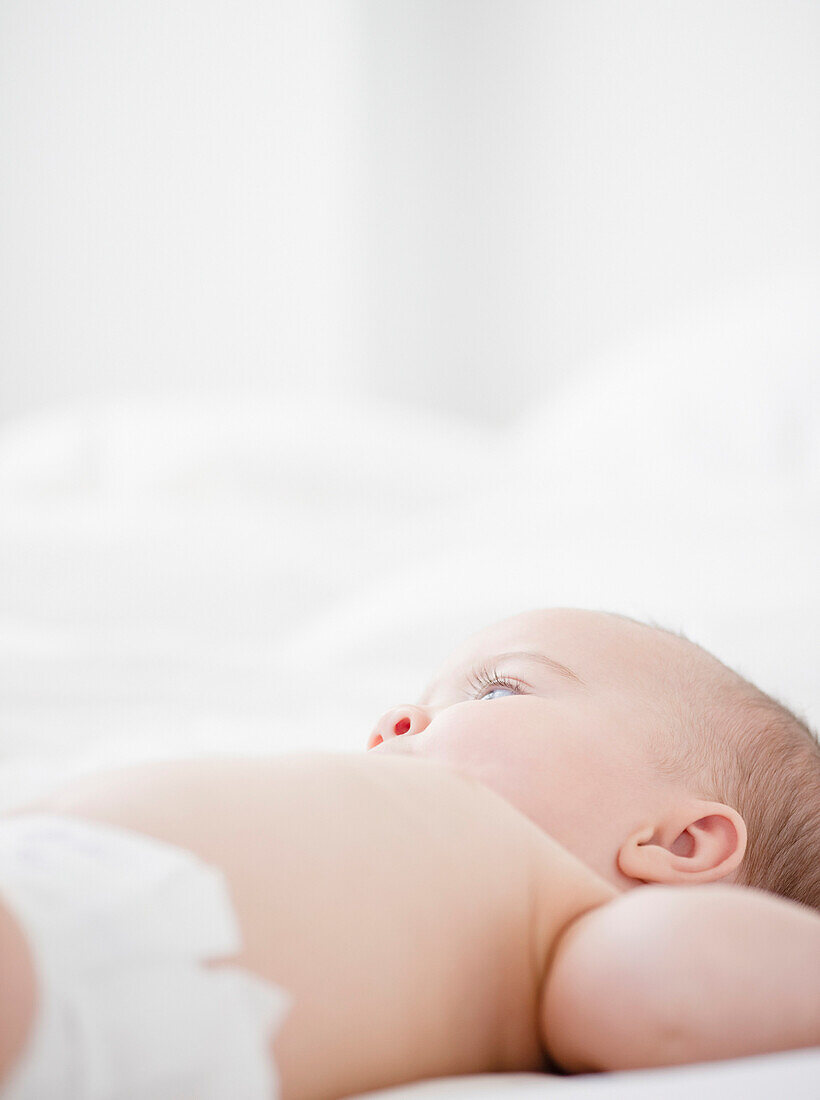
point(409, 912)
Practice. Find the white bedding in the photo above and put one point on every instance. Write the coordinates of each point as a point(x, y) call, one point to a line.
point(793, 1074)
point(265, 573)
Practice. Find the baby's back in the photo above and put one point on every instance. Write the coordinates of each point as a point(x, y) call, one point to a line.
point(409, 912)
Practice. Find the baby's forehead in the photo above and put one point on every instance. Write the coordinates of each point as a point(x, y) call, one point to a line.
point(570, 630)
point(599, 647)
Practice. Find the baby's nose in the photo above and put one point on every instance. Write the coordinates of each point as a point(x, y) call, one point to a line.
point(397, 722)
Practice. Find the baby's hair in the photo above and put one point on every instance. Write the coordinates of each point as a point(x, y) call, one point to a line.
point(747, 750)
point(773, 780)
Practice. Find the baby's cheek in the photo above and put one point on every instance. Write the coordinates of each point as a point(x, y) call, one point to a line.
point(509, 762)
point(461, 739)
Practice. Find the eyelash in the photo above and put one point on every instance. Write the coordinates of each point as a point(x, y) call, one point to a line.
point(483, 680)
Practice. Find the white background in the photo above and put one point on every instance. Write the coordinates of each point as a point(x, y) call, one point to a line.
point(331, 331)
point(459, 203)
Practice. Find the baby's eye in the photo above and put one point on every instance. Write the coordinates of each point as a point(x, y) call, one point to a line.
point(498, 692)
point(486, 683)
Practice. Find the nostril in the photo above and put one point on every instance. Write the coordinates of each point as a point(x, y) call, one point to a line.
point(402, 727)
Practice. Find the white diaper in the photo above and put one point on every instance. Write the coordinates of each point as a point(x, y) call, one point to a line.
point(119, 926)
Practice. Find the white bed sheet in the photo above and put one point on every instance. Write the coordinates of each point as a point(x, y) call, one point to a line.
point(793, 1074)
point(208, 598)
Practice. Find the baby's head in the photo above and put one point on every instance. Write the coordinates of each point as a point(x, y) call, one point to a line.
point(635, 748)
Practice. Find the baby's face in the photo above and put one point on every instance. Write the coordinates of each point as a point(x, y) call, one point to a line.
point(557, 711)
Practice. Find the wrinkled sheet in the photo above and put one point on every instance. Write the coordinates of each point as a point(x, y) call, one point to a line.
point(269, 573)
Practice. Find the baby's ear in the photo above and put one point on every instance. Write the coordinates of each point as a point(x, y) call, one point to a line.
point(697, 842)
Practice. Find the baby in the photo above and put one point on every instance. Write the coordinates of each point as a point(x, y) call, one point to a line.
point(421, 923)
point(633, 747)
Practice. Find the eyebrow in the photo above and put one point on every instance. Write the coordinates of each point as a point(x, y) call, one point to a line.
point(542, 659)
point(526, 655)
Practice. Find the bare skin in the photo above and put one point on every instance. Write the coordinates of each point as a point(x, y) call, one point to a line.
point(424, 927)
point(443, 896)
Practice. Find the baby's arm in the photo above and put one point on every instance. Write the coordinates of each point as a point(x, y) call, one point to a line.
point(665, 975)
